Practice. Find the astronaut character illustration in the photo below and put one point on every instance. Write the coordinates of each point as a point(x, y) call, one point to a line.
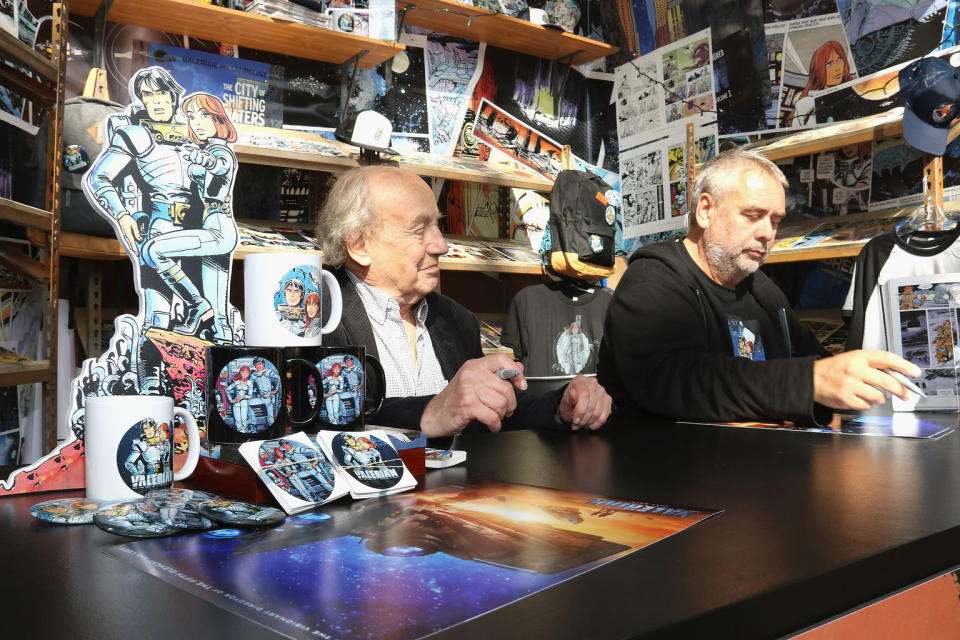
point(352, 395)
point(360, 452)
point(573, 349)
point(149, 459)
point(333, 386)
point(211, 166)
point(291, 314)
point(308, 470)
point(266, 382)
point(240, 392)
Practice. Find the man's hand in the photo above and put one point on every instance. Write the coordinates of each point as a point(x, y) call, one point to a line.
point(854, 380)
point(129, 232)
point(474, 393)
point(585, 404)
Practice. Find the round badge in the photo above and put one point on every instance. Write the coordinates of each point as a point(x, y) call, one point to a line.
point(596, 243)
point(145, 456)
point(368, 459)
point(248, 394)
point(243, 514)
point(193, 495)
point(126, 519)
point(66, 510)
point(297, 301)
point(296, 469)
point(341, 379)
point(177, 512)
point(75, 159)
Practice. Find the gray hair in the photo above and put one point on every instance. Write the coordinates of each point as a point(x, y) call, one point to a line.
point(345, 215)
point(716, 176)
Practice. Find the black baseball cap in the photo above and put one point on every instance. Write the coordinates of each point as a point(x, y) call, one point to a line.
point(931, 94)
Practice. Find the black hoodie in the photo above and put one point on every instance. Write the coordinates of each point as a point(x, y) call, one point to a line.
point(667, 350)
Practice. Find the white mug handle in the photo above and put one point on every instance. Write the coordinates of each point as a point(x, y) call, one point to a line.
point(193, 443)
point(336, 303)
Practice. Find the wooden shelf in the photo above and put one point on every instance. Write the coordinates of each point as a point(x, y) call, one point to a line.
point(877, 127)
point(208, 22)
point(25, 215)
point(842, 249)
point(471, 170)
point(522, 36)
point(76, 245)
point(27, 372)
point(15, 50)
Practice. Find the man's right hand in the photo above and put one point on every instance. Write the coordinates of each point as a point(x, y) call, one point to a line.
point(855, 379)
point(130, 232)
point(474, 393)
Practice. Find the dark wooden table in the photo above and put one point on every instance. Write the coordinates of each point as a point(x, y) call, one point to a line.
point(813, 526)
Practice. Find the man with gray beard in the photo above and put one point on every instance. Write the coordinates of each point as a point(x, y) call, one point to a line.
point(694, 331)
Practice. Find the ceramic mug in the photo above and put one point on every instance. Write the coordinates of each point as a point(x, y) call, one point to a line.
point(342, 387)
point(245, 393)
point(283, 293)
point(128, 445)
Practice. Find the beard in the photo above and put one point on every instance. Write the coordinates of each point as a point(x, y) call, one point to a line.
point(730, 265)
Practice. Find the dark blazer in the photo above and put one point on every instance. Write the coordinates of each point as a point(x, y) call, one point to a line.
point(455, 335)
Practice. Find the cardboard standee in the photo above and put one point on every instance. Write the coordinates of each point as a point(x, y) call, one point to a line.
point(164, 181)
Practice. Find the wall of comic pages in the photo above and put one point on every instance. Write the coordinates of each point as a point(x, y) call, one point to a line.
point(814, 61)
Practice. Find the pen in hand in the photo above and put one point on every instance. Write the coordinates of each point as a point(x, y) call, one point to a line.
point(506, 374)
point(907, 382)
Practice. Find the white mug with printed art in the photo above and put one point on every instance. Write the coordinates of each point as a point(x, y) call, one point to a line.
point(283, 293)
point(129, 445)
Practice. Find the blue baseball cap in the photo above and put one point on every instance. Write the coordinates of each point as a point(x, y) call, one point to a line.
point(931, 94)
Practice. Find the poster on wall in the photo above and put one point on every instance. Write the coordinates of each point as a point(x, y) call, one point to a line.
point(453, 68)
point(670, 85)
point(886, 33)
point(504, 133)
point(814, 58)
point(247, 88)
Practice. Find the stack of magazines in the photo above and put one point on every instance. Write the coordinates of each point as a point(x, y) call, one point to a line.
point(292, 11)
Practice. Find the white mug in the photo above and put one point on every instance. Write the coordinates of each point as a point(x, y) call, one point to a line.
point(128, 445)
point(283, 293)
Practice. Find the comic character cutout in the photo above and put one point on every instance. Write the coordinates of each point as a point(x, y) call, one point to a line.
point(303, 472)
point(145, 456)
point(368, 459)
point(248, 394)
point(164, 181)
point(297, 301)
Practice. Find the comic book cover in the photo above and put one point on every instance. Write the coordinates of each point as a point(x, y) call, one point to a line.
point(920, 316)
point(369, 462)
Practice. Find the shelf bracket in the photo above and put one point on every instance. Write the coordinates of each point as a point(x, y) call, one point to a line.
point(345, 96)
point(558, 84)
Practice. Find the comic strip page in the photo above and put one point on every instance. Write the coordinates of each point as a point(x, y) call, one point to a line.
point(672, 84)
point(453, 68)
point(921, 323)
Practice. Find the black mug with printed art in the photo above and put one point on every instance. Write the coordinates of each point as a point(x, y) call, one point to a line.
point(245, 393)
point(342, 386)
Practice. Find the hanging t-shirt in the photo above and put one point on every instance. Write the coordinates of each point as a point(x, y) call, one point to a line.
point(554, 334)
point(889, 256)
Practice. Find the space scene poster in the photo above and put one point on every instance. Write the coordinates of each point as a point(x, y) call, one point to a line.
point(409, 565)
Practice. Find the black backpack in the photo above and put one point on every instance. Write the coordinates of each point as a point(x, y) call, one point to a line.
point(582, 226)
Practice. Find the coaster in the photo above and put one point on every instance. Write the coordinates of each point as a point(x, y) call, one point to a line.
point(126, 519)
point(244, 514)
point(67, 510)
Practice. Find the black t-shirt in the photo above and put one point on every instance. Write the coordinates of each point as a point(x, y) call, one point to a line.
point(553, 333)
point(754, 334)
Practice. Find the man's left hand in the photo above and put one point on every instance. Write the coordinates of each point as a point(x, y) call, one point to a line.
point(585, 404)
